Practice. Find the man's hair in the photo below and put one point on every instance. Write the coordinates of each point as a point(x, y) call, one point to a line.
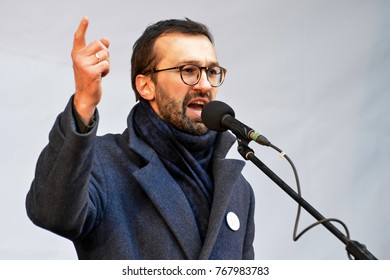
point(143, 59)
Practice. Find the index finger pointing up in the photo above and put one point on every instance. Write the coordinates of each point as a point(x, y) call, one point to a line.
point(79, 37)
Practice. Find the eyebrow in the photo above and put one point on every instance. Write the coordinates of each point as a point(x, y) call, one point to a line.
point(195, 62)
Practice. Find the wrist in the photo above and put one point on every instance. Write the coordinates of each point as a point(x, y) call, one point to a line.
point(81, 126)
point(84, 111)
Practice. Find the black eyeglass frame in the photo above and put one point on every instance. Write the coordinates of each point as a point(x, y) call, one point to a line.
point(206, 68)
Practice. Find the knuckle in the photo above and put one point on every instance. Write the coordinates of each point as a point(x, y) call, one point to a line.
point(76, 59)
point(77, 36)
point(98, 44)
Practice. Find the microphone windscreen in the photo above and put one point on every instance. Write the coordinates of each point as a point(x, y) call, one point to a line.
point(213, 113)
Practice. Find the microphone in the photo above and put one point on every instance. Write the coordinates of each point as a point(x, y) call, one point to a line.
point(219, 116)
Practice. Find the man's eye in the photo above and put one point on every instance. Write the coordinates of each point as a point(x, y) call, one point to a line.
point(189, 70)
point(213, 72)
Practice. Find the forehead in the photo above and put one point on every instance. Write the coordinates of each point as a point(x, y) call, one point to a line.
point(176, 48)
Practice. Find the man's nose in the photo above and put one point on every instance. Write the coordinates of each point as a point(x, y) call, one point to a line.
point(203, 84)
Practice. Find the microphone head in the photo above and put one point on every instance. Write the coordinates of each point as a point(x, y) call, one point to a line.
point(213, 113)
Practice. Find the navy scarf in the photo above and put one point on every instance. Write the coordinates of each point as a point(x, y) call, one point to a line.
point(186, 157)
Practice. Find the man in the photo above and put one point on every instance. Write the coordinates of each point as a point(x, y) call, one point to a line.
point(162, 189)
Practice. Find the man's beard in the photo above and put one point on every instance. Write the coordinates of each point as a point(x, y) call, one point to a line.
point(174, 113)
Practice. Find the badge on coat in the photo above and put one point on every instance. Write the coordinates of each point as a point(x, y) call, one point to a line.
point(233, 221)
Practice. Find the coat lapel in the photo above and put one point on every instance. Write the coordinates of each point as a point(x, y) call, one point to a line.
point(226, 174)
point(173, 206)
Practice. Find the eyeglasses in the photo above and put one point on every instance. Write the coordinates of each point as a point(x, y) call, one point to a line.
point(190, 74)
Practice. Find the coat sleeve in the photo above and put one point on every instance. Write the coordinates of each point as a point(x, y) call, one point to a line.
point(248, 253)
point(64, 197)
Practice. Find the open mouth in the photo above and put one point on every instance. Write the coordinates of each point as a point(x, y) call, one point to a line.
point(195, 107)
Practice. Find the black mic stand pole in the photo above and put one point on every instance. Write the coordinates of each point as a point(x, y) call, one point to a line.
point(356, 249)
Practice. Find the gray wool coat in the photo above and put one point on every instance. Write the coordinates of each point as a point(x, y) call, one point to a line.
point(112, 196)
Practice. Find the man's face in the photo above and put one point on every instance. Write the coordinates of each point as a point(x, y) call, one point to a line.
point(175, 102)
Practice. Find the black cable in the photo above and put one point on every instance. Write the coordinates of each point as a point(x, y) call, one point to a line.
point(295, 235)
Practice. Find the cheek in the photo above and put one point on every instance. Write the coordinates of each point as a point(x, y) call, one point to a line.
point(173, 87)
point(178, 94)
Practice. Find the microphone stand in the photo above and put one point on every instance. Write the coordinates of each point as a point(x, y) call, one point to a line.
point(359, 251)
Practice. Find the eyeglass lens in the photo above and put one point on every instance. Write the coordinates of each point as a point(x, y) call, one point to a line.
point(191, 74)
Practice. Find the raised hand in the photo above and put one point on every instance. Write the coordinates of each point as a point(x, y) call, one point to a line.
point(90, 64)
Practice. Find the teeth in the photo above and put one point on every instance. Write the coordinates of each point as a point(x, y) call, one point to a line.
point(198, 102)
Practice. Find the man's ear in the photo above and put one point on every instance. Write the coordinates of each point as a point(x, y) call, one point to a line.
point(145, 86)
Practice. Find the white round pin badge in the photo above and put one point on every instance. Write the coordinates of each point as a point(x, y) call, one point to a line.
point(233, 221)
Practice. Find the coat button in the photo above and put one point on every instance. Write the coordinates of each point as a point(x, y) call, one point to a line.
point(233, 221)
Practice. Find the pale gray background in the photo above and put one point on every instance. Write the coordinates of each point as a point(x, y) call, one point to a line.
point(311, 75)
